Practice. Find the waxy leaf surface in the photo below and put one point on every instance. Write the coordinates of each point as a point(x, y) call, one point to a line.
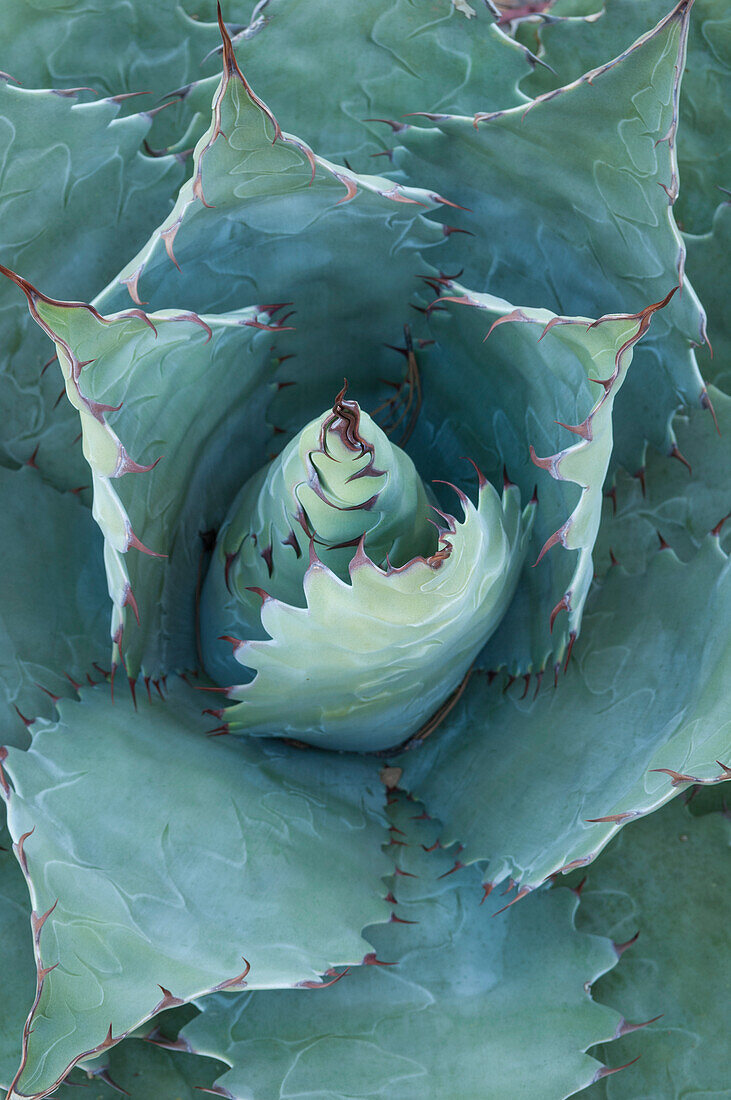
point(207, 852)
point(252, 225)
point(570, 200)
point(54, 607)
point(529, 396)
point(679, 968)
point(383, 59)
point(571, 46)
point(173, 415)
point(74, 184)
point(456, 1002)
point(521, 781)
point(678, 497)
point(118, 47)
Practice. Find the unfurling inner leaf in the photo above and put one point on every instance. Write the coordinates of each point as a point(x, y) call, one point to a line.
point(357, 613)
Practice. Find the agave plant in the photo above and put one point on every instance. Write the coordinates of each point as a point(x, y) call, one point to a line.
point(369, 565)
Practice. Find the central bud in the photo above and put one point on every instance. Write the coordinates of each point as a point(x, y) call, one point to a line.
point(358, 486)
point(337, 484)
point(341, 607)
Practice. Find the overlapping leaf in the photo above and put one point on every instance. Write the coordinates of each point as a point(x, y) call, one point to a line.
point(188, 394)
point(537, 785)
point(571, 202)
point(149, 1068)
point(383, 58)
point(143, 1070)
point(453, 1008)
point(250, 190)
point(54, 607)
point(116, 47)
point(186, 871)
point(204, 853)
point(74, 184)
point(665, 878)
point(156, 366)
point(677, 498)
point(535, 400)
point(17, 959)
point(707, 264)
point(571, 46)
point(394, 679)
point(253, 225)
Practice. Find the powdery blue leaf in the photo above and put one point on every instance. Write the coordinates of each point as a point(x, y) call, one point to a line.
point(142, 1069)
point(54, 607)
point(77, 172)
point(677, 499)
point(571, 46)
point(540, 784)
point(454, 1006)
point(172, 409)
point(118, 47)
point(571, 206)
point(376, 680)
point(253, 225)
point(383, 59)
point(677, 974)
point(530, 396)
point(195, 864)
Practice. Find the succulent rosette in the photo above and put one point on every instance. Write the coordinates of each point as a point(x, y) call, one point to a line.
point(332, 595)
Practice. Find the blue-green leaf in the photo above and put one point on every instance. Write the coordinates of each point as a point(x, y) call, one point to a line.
point(677, 498)
point(383, 60)
point(74, 188)
point(707, 260)
point(666, 879)
point(535, 401)
point(54, 607)
point(451, 1010)
point(119, 47)
point(538, 785)
point(571, 203)
point(172, 409)
point(207, 852)
point(571, 46)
